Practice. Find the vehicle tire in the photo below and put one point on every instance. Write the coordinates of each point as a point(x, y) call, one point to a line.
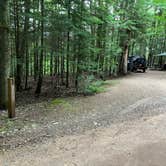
point(144, 70)
point(134, 69)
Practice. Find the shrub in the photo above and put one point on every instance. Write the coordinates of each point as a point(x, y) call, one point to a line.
point(90, 85)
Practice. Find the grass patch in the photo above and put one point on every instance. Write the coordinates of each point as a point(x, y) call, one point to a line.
point(7, 125)
point(65, 105)
point(60, 102)
point(55, 102)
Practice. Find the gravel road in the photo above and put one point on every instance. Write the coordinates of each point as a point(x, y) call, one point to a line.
point(110, 128)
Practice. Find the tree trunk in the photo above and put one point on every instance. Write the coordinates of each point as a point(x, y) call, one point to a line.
point(4, 54)
point(40, 77)
point(17, 46)
point(26, 28)
point(125, 59)
point(68, 48)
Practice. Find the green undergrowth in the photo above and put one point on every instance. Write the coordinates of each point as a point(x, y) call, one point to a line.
point(96, 87)
point(60, 102)
point(6, 124)
point(99, 86)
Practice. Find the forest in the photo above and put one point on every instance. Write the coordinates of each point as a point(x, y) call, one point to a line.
point(71, 43)
point(69, 92)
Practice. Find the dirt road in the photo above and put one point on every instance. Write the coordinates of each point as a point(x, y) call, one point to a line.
point(124, 126)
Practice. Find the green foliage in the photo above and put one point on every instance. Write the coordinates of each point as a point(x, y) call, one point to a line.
point(90, 85)
point(84, 37)
point(8, 125)
point(56, 102)
point(96, 87)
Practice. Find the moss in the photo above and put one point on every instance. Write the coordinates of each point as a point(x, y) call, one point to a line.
point(60, 102)
point(8, 125)
point(2, 129)
point(55, 102)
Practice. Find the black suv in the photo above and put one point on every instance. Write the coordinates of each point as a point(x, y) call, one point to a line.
point(136, 63)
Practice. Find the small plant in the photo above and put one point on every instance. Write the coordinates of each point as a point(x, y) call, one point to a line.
point(90, 85)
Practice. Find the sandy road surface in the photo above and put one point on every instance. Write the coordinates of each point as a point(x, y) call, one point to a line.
point(123, 127)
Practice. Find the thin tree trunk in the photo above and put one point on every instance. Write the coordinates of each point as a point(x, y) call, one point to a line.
point(51, 63)
point(40, 77)
point(68, 48)
point(17, 43)
point(26, 27)
point(125, 59)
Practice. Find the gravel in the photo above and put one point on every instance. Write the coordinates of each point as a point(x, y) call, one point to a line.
point(138, 95)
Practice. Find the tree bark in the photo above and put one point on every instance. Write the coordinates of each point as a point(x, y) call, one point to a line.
point(17, 47)
point(125, 59)
point(68, 48)
point(26, 28)
point(4, 54)
point(40, 78)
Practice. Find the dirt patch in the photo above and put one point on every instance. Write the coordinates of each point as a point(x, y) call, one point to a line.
point(137, 96)
point(139, 143)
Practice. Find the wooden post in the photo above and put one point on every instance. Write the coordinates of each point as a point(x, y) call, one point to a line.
point(11, 98)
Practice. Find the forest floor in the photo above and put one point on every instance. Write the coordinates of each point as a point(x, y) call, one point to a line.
point(124, 126)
